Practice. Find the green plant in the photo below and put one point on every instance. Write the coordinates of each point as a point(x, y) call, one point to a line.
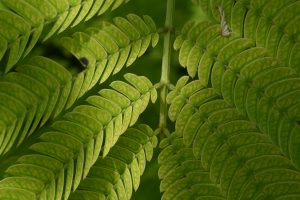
point(70, 133)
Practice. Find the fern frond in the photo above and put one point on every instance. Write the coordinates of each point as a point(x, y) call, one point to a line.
point(240, 158)
point(24, 22)
point(203, 47)
point(30, 96)
point(114, 176)
point(66, 151)
point(274, 117)
point(183, 176)
point(42, 89)
point(243, 161)
point(269, 24)
point(185, 100)
point(14, 35)
point(241, 77)
point(192, 43)
point(111, 46)
point(247, 75)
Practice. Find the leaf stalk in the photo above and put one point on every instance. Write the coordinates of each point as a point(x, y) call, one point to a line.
point(165, 72)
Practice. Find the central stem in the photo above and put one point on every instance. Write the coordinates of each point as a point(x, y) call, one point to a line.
point(166, 66)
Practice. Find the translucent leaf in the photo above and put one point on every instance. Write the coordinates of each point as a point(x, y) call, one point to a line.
point(179, 40)
point(57, 151)
point(34, 171)
point(14, 193)
point(109, 137)
point(126, 89)
point(127, 28)
point(135, 50)
point(115, 97)
point(108, 105)
point(29, 184)
point(176, 107)
point(138, 23)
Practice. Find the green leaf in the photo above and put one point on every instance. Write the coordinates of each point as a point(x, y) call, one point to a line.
point(119, 172)
point(182, 175)
point(25, 21)
point(126, 89)
point(74, 141)
point(15, 193)
point(110, 47)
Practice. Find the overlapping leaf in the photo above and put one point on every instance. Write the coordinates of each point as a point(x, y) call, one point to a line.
point(30, 96)
point(248, 71)
point(183, 176)
point(109, 47)
point(22, 24)
point(271, 25)
point(68, 149)
point(238, 157)
point(116, 175)
point(248, 85)
point(41, 88)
